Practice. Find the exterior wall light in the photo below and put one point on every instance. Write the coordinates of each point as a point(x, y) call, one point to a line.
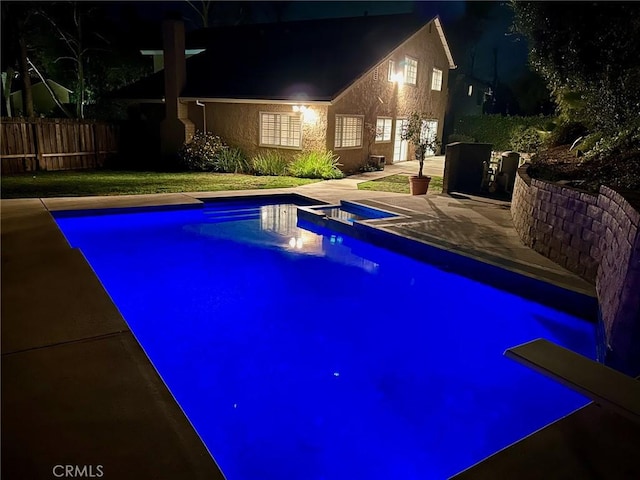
point(309, 116)
point(397, 77)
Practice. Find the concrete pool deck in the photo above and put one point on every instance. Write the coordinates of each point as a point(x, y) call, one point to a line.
point(77, 389)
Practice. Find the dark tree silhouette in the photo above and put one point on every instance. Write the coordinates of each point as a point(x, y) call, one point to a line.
point(589, 58)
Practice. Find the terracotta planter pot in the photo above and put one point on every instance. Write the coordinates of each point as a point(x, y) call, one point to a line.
point(419, 185)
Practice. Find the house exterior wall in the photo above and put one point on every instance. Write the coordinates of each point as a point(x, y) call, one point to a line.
point(381, 98)
point(371, 96)
point(238, 124)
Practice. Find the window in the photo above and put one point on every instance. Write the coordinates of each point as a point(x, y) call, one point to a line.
point(428, 132)
point(348, 131)
point(391, 72)
point(470, 91)
point(436, 79)
point(410, 70)
point(400, 147)
point(281, 130)
point(383, 129)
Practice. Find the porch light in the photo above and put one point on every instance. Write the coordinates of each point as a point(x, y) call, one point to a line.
point(300, 108)
point(397, 77)
point(309, 116)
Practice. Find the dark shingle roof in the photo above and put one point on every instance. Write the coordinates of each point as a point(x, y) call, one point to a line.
point(314, 58)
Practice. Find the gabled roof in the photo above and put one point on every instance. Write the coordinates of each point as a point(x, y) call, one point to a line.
point(311, 60)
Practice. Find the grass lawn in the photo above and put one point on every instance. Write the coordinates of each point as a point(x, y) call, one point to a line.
point(398, 184)
point(101, 182)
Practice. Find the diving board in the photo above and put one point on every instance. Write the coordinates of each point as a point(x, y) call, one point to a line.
point(605, 386)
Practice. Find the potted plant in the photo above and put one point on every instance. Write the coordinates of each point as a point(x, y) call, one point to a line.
point(419, 132)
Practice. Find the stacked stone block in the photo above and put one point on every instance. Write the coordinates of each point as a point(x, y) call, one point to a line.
point(596, 237)
point(618, 279)
point(557, 222)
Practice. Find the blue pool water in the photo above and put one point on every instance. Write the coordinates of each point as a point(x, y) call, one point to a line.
point(305, 356)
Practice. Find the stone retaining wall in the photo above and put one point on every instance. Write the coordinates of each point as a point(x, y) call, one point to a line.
point(596, 237)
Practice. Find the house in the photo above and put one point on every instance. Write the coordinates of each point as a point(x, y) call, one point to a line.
point(343, 84)
point(43, 102)
point(468, 96)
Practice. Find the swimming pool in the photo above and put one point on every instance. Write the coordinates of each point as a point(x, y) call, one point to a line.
point(297, 355)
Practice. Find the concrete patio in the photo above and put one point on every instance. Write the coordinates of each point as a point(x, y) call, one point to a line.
point(77, 388)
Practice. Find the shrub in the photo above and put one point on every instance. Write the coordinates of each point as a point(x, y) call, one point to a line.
point(590, 141)
point(232, 160)
point(269, 163)
point(526, 139)
point(200, 153)
point(566, 133)
point(497, 129)
point(627, 140)
point(316, 164)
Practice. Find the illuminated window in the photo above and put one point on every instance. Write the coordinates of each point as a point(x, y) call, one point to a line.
point(428, 132)
point(410, 70)
point(281, 130)
point(391, 72)
point(383, 129)
point(470, 91)
point(348, 131)
point(436, 79)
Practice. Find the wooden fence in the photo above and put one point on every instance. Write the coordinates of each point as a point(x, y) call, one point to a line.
point(54, 144)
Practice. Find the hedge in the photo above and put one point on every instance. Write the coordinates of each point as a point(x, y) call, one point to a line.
point(498, 129)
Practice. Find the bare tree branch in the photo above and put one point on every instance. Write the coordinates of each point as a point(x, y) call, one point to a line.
point(49, 89)
point(203, 11)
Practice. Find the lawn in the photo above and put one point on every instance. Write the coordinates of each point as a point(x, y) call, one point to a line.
point(101, 182)
point(398, 184)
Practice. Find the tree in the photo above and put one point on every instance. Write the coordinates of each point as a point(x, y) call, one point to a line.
point(119, 63)
point(203, 10)
point(419, 131)
point(532, 94)
point(590, 58)
point(16, 24)
point(103, 55)
point(69, 22)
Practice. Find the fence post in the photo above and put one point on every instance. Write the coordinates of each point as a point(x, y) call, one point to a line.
point(96, 147)
point(27, 141)
point(39, 145)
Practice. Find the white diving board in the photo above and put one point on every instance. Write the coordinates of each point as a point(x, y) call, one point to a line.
point(605, 386)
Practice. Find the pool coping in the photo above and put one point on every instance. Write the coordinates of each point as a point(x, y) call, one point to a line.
point(32, 236)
